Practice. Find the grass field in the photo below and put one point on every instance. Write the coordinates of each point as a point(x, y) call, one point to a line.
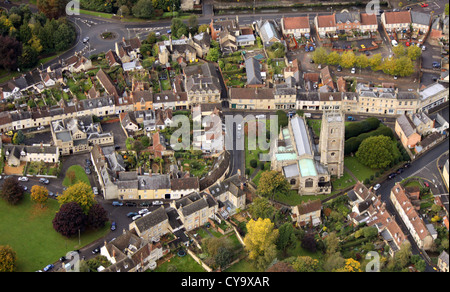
point(183, 264)
point(29, 231)
point(80, 175)
point(359, 170)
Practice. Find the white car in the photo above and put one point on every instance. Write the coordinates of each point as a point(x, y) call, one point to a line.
point(157, 203)
point(143, 211)
point(376, 187)
point(353, 70)
point(95, 190)
point(424, 48)
point(239, 127)
point(136, 217)
point(23, 178)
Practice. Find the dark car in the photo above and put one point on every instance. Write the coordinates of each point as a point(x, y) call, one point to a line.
point(339, 68)
point(145, 204)
point(132, 214)
point(113, 226)
point(87, 170)
point(407, 165)
point(392, 175)
point(399, 171)
point(130, 204)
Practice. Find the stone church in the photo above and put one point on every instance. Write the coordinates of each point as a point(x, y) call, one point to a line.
point(308, 166)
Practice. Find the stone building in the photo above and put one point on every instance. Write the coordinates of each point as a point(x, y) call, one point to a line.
point(331, 143)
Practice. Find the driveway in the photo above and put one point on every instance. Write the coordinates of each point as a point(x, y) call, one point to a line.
point(118, 133)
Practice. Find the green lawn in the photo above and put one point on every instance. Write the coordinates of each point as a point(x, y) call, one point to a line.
point(80, 175)
point(293, 198)
point(183, 264)
point(343, 182)
point(359, 170)
point(29, 231)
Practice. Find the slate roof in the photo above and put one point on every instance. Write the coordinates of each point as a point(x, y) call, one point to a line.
point(253, 70)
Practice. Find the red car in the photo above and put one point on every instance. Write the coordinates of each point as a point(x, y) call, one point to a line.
point(424, 5)
point(426, 184)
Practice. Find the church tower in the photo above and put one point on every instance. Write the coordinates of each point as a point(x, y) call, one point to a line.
point(331, 142)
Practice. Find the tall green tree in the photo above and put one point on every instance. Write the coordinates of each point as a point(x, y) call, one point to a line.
point(272, 183)
point(348, 59)
point(376, 152)
point(52, 8)
point(143, 9)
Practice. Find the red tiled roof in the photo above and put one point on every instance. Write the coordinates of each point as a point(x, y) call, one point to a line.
point(368, 19)
point(296, 22)
point(398, 17)
point(326, 21)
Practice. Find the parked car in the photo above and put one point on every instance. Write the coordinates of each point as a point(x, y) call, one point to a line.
point(400, 170)
point(363, 46)
point(142, 211)
point(157, 203)
point(353, 70)
point(44, 181)
point(436, 65)
point(407, 164)
point(117, 203)
point(424, 5)
point(136, 217)
point(113, 226)
point(424, 48)
point(376, 187)
point(426, 184)
point(130, 204)
point(87, 170)
point(394, 43)
point(132, 214)
point(339, 68)
point(95, 190)
point(86, 39)
point(96, 250)
point(144, 204)
point(23, 178)
point(392, 175)
point(48, 267)
point(40, 128)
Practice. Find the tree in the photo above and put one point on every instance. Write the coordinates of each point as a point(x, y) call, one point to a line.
point(178, 27)
point(52, 8)
point(18, 138)
point(282, 118)
point(146, 50)
point(403, 66)
point(309, 242)
point(272, 183)
point(414, 52)
point(333, 58)
point(388, 66)
point(286, 236)
point(39, 194)
point(28, 59)
point(223, 257)
point(143, 9)
point(97, 217)
point(280, 267)
point(348, 59)
point(213, 55)
point(63, 37)
point(80, 193)
point(375, 62)
point(376, 152)
point(332, 243)
point(305, 264)
point(8, 259)
point(10, 50)
point(70, 219)
point(399, 51)
point(362, 61)
point(261, 208)
point(320, 56)
point(203, 28)
point(351, 265)
point(277, 49)
point(260, 242)
point(12, 192)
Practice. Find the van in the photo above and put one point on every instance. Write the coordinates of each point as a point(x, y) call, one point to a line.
point(394, 43)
